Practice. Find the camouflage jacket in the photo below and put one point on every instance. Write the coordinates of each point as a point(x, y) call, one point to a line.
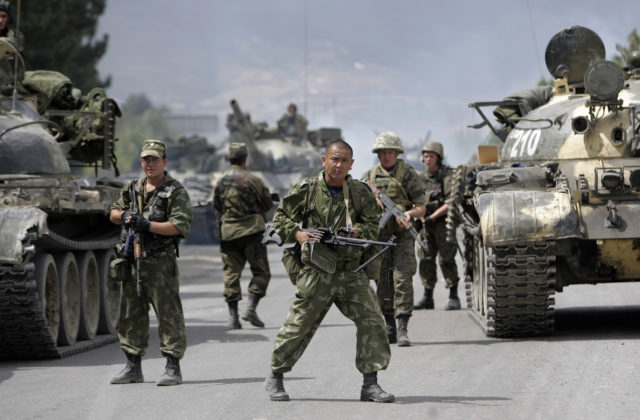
point(438, 187)
point(169, 202)
point(289, 126)
point(242, 200)
point(326, 211)
point(402, 184)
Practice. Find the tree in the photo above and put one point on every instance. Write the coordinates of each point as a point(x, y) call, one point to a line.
point(60, 36)
point(622, 58)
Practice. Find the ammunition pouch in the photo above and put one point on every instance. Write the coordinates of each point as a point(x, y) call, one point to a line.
point(119, 269)
point(319, 256)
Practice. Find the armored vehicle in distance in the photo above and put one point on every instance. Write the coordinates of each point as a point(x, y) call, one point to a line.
point(56, 241)
point(561, 205)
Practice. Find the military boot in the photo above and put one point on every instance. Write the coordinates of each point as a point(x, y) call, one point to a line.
point(132, 372)
point(371, 391)
point(275, 387)
point(234, 322)
point(427, 300)
point(390, 322)
point(172, 374)
point(454, 301)
point(403, 339)
point(251, 314)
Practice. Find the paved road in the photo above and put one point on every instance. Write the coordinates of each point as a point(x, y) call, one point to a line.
point(586, 370)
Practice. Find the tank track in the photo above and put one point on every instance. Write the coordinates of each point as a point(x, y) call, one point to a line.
point(520, 286)
point(24, 333)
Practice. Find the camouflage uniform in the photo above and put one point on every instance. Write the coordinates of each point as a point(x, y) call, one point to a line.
point(242, 199)
point(317, 291)
point(158, 272)
point(398, 300)
point(293, 126)
point(438, 189)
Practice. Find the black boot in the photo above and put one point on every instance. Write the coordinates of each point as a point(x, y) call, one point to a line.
point(132, 372)
point(403, 323)
point(275, 387)
point(251, 314)
point(234, 322)
point(454, 301)
point(172, 374)
point(390, 322)
point(371, 391)
point(427, 300)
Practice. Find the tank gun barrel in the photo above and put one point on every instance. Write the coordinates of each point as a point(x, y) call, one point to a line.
point(243, 123)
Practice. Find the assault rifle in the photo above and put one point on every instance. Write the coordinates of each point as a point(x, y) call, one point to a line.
point(136, 203)
point(391, 210)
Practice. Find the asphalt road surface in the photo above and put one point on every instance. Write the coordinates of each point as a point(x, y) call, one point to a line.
point(587, 369)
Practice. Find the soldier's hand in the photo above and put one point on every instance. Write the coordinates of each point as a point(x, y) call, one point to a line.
point(139, 223)
point(125, 217)
point(404, 222)
point(379, 202)
point(302, 236)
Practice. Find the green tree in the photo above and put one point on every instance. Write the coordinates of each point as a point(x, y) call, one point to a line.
point(140, 121)
point(61, 35)
point(622, 58)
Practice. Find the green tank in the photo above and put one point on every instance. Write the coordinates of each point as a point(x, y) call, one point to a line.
point(561, 203)
point(56, 241)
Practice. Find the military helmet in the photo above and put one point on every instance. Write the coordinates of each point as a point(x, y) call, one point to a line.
point(387, 140)
point(434, 147)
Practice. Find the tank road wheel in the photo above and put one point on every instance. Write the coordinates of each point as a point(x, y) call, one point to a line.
point(69, 299)
point(46, 276)
point(482, 285)
point(109, 294)
point(89, 295)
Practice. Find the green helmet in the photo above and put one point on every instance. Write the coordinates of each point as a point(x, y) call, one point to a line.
point(434, 147)
point(387, 140)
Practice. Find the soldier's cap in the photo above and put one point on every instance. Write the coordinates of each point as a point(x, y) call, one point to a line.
point(237, 150)
point(153, 148)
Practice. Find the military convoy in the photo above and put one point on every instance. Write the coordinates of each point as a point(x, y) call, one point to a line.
point(560, 203)
point(56, 241)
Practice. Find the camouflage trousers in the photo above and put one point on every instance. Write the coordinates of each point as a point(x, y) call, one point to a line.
point(235, 254)
point(354, 297)
point(395, 284)
point(160, 289)
point(446, 253)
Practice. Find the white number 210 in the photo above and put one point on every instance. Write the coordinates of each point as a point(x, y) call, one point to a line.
point(526, 141)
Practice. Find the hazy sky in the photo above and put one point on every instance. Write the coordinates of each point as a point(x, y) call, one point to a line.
point(406, 66)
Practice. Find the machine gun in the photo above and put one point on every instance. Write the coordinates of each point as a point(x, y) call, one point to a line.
point(391, 210)
point(340, 238)
point(138, 254)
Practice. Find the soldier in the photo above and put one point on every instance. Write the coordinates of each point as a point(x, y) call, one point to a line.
point(292, 124)
point(241, 200)
point(165, 219)
point(438, 178)
point(332, 200)
point(403, 185)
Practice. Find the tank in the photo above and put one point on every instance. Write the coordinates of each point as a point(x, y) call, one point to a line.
point(56, 241)
point(558, 203)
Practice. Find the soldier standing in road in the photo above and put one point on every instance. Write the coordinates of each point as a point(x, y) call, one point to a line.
point(393, 177)
point(165, 219)
point(242, 200)
point(292, 124)
point(438, 179)
point(332, 200)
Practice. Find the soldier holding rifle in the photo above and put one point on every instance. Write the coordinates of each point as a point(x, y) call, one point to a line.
point(150, 274)
point(399, 181)
point(335, 201)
